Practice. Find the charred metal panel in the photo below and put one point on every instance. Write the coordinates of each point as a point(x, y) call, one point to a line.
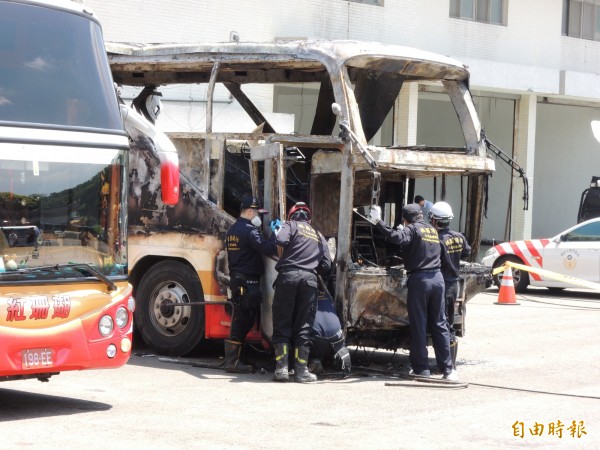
point(461, 98)
point(377, 298)
point(192, 162)
point(147, 212)
point(275, 62)
point(415, 163)
point(378, 295)
point(477, 278)
point(325, 203)
point(476, 192)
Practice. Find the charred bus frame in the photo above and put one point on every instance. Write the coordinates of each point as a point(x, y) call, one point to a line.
point(364, 79)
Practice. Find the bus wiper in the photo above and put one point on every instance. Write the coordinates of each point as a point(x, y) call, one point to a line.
point(84, 267)
point(81, 267)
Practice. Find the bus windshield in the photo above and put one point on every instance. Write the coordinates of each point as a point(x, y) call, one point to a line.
point(61, 206)
point(48, 75)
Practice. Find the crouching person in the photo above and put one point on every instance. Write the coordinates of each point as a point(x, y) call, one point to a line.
point(328, 339)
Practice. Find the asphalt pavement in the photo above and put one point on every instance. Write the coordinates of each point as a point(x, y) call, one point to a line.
point(531, 369)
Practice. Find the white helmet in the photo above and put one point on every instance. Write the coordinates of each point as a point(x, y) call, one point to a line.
point(441, 211)
point(153, 105)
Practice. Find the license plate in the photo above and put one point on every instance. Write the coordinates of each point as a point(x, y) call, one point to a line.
point(35, 358)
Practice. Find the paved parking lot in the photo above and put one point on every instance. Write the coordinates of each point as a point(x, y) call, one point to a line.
point(533, 381)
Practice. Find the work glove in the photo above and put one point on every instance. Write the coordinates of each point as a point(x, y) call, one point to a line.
point(375, 214)
point(275, 226)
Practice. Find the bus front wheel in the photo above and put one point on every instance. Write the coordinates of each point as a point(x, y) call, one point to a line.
point(166, 327)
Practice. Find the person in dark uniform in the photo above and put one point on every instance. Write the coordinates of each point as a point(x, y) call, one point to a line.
point(328, 338)
point(305, 254)
point(457, 248)
point(245, 245)
point(424, 256)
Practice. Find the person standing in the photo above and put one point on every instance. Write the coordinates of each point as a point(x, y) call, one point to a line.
point(245, 245)
point(423, 257)
point(425, 206)
point(305, 255)
point(457, 248)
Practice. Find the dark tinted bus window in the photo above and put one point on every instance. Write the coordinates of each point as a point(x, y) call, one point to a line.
point(53, 69)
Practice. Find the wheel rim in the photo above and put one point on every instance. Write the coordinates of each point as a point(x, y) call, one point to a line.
point(516, 276)
point(167, 319)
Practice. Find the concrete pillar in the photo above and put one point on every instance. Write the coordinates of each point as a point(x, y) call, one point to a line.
point(524, 155)
point(405, 122)
point(405, 117)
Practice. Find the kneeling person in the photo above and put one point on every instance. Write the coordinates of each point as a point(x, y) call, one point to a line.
point(328, 339)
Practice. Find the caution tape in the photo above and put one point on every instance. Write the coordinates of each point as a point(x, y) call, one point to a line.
point(548, 274)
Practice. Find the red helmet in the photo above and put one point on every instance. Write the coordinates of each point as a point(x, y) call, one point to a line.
point(300, 211)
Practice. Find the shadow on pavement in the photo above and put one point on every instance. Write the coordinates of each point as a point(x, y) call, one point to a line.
point(206, 363)
point(20, 405)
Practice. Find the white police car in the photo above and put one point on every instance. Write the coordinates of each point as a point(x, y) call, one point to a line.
point(574, 252)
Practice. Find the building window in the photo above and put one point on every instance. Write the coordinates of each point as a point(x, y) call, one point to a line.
point(487, 11)
point(368, 2)
point(581, 19)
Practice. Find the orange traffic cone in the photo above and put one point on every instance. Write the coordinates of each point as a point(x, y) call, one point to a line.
point(506, 295)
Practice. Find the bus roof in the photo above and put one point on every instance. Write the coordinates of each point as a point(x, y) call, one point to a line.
point(192, 62)
point(74, 6)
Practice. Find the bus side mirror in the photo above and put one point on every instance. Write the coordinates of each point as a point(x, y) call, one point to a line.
point(169, 177)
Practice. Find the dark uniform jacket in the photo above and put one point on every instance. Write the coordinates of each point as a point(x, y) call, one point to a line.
point(457, 248)
point(245, 244)
point(419, 244)
point(304, 248)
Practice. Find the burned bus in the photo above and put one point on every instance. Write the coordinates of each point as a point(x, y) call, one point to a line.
point(320, 126)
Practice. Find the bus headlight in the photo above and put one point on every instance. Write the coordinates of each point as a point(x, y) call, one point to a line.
point(131, 304)
point(121, 317)
point(105, 326)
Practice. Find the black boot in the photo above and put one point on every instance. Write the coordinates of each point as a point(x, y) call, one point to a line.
point(233, 349)
point(454, 350)
point(301, 373)
point(281, 363)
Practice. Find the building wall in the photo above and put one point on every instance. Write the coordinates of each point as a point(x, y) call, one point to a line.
point(564, 166)
point(532, 36)
point(528, 55)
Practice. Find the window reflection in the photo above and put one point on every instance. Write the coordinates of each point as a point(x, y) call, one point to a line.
point(56, 212)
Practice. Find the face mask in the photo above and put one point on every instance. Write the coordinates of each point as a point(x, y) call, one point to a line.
point(256, 221)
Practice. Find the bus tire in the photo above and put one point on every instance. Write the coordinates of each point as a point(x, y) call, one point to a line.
point(167, 329)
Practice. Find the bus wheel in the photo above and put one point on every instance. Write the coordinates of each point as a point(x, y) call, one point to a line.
point(168, 329)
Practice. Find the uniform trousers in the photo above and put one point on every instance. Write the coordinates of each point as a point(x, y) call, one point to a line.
point(246, 300)
point(451, 295)
point(294, 307)
point(426, 309)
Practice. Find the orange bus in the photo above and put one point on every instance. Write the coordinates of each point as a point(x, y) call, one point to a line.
point(65, 300)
